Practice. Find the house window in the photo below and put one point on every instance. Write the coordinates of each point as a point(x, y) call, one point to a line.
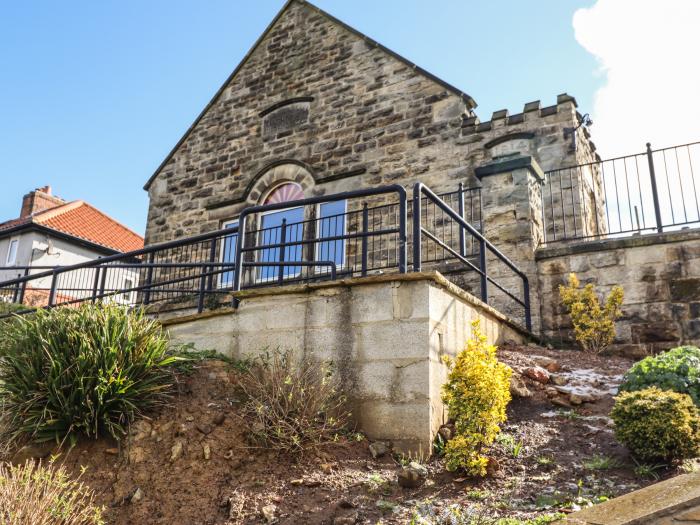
point(128, 295)
point(12, 252)
point(331, 223)
point(271, 231)
point(228, 253)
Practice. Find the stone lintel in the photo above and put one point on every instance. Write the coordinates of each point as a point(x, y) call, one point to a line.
point(511, 164)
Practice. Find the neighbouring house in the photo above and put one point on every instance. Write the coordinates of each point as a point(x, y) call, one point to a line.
point(51, 232)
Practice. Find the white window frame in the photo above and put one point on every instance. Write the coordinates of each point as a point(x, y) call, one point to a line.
point(259, 269)
point(128, 297)
point(317, 245)
point(12, 261)
point(220, 277)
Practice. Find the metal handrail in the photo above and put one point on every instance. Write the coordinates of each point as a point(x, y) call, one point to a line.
point(418, 231)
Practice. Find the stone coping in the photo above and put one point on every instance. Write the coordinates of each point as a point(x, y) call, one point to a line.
point(507, 164)
point(436, 277)
point(643, 506)
point(636, 241)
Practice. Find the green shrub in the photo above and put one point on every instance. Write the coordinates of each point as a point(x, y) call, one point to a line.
point(37, 495)
point(476, 394)
point(657, 425)
point(677, 370)
point(87, 370)
point(292, 407)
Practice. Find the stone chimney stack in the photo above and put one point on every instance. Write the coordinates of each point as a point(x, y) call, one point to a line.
point(39, 200)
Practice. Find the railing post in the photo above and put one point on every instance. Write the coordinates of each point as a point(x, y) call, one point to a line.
point(365, 240)
point(654, 190)
point(462, 237)
point(283, 241)
point(417, 229)
point(52, 291)
point(202, 288)
point(103, 282)
point(95, 283)
point(403, 240)
point(482, 267)
point(149, 279)
point(212, 259)
point(526, 300)
point(238, 257)
point(23, 288)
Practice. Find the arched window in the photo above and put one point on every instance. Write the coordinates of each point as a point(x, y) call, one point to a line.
point(281, 226)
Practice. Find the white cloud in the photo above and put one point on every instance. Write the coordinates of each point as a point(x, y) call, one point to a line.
point(649, 51)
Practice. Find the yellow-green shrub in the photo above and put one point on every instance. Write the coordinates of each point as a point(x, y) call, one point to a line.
point(476, 394)
point(594, 323)
point(657, 425)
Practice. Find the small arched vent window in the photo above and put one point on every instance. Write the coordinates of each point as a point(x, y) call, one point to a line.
point(285, 116)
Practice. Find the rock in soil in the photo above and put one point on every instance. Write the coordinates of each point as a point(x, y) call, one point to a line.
point(176, 451)
point(137, 496)
point(378, 449)
point(446, 432)
point(268, 512)
point(518, 387)
point(537, 373)
point(412, 476)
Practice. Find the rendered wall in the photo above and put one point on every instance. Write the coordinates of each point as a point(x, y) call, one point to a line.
point(385, 336)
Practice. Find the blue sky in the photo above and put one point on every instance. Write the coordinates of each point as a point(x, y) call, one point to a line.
point(93, 95)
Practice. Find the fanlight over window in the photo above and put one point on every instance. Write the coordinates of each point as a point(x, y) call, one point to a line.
point(287, 192)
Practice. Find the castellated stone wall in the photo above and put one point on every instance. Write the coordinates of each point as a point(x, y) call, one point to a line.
point(659, 273)
point(333, 111)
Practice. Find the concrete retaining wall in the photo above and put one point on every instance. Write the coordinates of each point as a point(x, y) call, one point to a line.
point(385, 335)
point(660, 275)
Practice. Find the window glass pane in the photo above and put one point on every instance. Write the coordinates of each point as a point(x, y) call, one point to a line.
point(12, 252)
point(228, 254)
point(331, 223)
point(271, 234)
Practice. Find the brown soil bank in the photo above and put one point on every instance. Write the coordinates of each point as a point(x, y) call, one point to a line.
point(191, 464)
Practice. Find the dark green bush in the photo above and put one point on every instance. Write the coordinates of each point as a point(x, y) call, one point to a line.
point(89, 370)
point(677, 370)
point(657, 425)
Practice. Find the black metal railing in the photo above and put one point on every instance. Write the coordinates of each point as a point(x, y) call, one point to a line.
point(649, 192)
point(349, 234)
point(484, 248)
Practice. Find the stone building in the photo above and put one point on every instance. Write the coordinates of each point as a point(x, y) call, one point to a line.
point(317, 108)
point(318, 103)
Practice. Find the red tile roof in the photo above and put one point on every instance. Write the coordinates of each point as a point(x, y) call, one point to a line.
point(81, 220)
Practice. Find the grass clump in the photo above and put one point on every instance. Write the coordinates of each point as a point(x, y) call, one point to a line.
point(677, 370)
point(292, 407)
point(38, 495)
point(594, 323)
point(476, 394)
point(602, 463)
point(87, 371)
point(657, 425)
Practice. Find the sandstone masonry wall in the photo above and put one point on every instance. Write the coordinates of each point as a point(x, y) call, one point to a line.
point(660, 275)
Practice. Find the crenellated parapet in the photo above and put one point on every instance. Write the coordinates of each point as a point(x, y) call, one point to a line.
point(546, 133)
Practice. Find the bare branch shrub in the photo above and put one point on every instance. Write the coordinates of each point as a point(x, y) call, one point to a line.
point(292, 407)
point(39, 495)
